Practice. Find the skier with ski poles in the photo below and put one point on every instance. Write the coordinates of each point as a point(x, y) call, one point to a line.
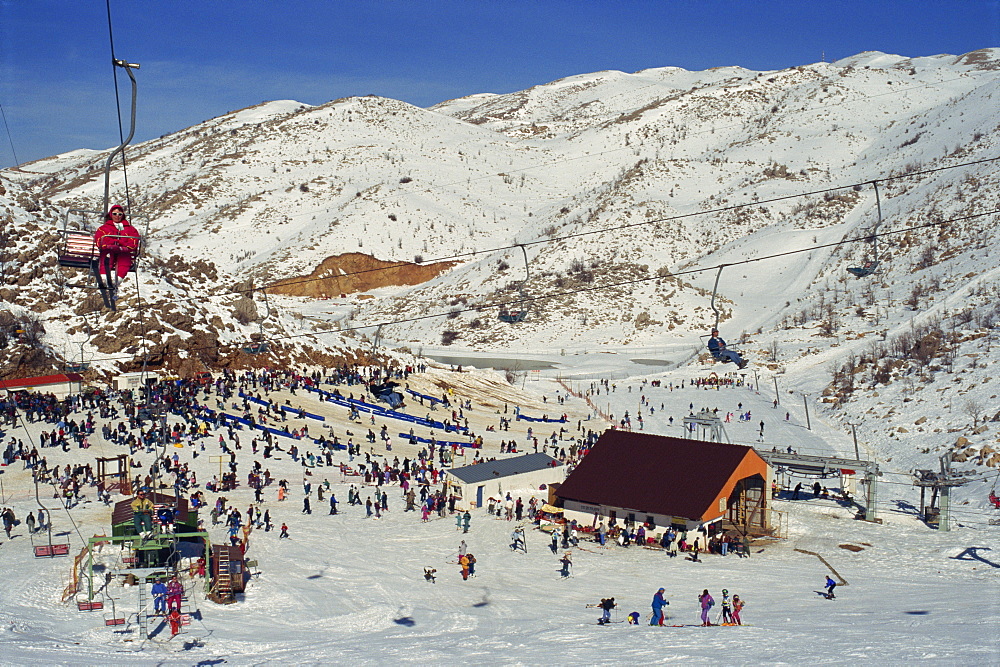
point(658, 604)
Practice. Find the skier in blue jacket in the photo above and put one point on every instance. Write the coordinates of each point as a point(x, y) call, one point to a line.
point(717, 346)
point(830, 585)
point(658, 604)
point(159, 592)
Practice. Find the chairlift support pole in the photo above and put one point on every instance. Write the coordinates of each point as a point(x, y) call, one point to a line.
point(128, 67)
point(715, 289)
point(878, 223)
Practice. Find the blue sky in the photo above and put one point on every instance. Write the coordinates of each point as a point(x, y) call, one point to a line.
point(202, 59)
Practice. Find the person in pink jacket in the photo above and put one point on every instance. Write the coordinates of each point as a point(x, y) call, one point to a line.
point(116, 246)
point(174, 592)
point(707, 602)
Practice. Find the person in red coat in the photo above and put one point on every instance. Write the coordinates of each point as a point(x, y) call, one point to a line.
point(175, 622)
point(117, 246)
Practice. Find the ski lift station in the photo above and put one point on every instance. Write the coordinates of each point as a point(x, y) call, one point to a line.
point(662, 481)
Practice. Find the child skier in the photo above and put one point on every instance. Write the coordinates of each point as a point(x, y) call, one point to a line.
point(727, 608)
point(707, 602)
point(175, 622)
point(737, 608)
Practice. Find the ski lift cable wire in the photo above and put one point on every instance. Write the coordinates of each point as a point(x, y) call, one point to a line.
point(34, 476)
point(587, 290)
point(722, 209)
point(10, 139)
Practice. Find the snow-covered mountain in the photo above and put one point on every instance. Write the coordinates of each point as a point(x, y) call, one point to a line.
point(619, 186)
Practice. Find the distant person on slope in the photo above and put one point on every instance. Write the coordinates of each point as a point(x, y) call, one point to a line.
point(717, 346)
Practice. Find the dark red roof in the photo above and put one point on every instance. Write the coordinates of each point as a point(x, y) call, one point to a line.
point(654, 473)
point(40, 381)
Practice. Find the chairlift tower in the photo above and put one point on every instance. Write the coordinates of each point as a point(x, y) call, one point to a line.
point(823, 466)
point(706, 425)
point(940, 484)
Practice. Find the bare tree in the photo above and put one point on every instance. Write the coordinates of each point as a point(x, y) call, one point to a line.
point(974, 409)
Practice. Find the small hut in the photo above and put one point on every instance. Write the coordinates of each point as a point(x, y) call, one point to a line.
point(229, 573)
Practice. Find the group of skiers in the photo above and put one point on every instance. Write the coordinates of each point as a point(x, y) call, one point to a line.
point(729, 615)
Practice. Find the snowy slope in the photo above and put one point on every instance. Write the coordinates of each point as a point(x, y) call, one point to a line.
point(349, 589)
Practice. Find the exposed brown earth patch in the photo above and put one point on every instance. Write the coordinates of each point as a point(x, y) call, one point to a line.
point(356, 272)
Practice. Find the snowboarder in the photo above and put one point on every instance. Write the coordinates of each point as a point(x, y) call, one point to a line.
point(707, 602)
point(284, 530)
point(430, 574)
point(658, 604)
point(830, 585)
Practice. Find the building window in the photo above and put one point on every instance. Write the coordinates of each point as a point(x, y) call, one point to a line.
point(722, 504)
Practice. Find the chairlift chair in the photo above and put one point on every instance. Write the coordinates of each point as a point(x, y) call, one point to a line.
point(520, 311)
point(258, 345)
point(870, 266)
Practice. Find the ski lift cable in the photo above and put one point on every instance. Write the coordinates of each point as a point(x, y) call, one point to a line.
point(717, 210)
point(34, 476)
point(598, 288)
point(17, 163)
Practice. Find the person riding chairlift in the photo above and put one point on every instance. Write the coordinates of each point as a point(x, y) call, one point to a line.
point(717, 346)
point(117, 246)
